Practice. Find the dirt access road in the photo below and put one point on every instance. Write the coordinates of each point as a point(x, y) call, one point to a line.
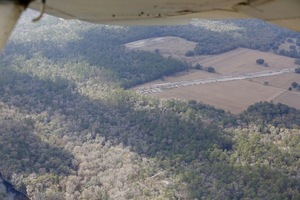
point(155, 88)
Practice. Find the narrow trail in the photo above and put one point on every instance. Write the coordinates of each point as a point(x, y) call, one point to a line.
point(277, 96)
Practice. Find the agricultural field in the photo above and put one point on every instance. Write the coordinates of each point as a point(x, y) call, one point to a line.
point(243, 60)
point(283, 81)
point(167, 46)
point(232, 95)
point(290, 98)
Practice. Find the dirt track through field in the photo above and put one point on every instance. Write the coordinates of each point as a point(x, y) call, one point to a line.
point(158, 87)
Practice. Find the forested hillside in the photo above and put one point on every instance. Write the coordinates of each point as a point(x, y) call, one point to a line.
point(69, 130)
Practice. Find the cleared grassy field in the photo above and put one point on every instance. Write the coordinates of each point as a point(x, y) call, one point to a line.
point(243, 60)
point(289, 98)
point(281, 81)
point(168, 46)
point(233, 96)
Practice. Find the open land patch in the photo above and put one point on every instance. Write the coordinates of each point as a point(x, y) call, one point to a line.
point(280, 81)
point(243, 60)
point(175, 47)
point(167, 46)
point(290, 98)
point(231, 95)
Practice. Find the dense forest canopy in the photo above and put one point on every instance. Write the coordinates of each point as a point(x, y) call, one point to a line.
point(69, 130)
